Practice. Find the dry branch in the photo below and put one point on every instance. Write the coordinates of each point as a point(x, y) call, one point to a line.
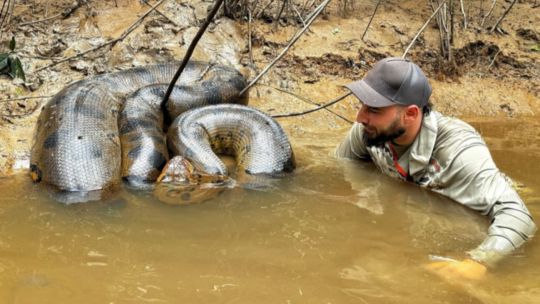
point(314, 15)
point(24, 98)
point(189, 52)
point(464, 14)
point(66, 13)
point(5, 13)
point(489, 12)
point(422, 29)
point(308, 101)
point(161, 13)
point(371, 19)
point(502, 17)
point(314, 109)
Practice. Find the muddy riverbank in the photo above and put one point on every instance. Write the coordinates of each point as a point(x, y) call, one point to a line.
point(494, 75)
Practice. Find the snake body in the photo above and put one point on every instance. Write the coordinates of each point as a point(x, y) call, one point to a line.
point(99, 130)
point(258, 142)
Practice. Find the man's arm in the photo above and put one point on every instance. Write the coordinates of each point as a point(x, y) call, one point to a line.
point(353, 146)
point(474, 180)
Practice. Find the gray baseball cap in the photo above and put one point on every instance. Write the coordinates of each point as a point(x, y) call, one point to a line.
point(392, 81)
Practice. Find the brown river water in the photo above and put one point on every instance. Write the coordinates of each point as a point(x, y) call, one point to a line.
point(333, 232)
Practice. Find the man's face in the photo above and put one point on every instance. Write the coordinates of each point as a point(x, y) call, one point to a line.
point(380, 124)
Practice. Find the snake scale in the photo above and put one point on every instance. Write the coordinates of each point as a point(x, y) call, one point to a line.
point(104, 129)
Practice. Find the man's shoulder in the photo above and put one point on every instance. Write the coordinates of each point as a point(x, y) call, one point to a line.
point(449, 124)
point(454, 135)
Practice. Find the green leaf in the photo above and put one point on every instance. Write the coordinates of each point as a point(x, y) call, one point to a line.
point(17, 69)
point(12, 43)
point(536, 48)
point(20, 70)
point(4, 62)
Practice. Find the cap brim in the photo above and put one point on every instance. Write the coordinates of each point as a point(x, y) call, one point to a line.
point(368, 96)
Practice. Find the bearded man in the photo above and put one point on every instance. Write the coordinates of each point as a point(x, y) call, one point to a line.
point(398, 131)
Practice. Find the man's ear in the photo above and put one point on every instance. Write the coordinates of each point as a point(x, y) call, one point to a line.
point(412, 113)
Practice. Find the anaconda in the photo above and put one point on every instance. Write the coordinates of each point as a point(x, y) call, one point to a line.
point(100, 130)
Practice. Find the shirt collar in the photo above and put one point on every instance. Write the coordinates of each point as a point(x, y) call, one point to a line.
point(421, 149)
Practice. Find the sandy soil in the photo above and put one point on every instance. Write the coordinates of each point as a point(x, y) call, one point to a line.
point(495, 75)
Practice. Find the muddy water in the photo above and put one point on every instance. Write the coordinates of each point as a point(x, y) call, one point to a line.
point(334, 232)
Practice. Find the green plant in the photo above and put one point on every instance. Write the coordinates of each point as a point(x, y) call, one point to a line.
point(10, 64)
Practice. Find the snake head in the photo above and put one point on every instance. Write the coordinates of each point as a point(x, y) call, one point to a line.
point(180, 183)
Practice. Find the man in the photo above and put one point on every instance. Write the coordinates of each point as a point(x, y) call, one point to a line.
point(397, 130)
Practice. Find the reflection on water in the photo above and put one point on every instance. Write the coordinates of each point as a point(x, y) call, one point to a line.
point(333, 232)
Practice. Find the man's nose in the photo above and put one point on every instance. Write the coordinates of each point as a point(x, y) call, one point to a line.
point(361, 116)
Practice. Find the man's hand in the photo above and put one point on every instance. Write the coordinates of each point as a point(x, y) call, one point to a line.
point(455, 271)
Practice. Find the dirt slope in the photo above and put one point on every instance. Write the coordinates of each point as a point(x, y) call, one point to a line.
point(493, 75)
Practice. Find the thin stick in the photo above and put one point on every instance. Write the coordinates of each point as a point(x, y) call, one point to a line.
point(263, 9)
point(189, 52)
point(162, 14)
point(371, 19)
point(489, 12)
point(502, 17)
point(481, 8)
point(4, 14)
point(317, 11)
point(307, 101)
point(298, 13)
point(249, 40)
point(422, 29)
point(314, 109)
point(132, 27)
point(24, 98)
point(41, 20)
point(494, 58)
point(281, 11)
point(64, 14)
point(464, 15)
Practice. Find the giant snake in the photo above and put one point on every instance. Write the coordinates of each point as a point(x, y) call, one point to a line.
point(104, 129)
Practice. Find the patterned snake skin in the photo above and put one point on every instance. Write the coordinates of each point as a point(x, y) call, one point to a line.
point(258, 143)
point(99, 130)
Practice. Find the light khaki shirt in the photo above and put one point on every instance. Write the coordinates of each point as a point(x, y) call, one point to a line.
point(449, 157)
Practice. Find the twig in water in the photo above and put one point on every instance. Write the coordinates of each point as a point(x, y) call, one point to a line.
point(307, 101)
point(502, 17)
point(488, 13)
point(314, 109)
point(371, 19)
point(317, 11)
point(132, 27)
point(189, 52)
point(422, 29)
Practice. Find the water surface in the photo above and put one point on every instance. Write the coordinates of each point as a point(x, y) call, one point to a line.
point(333, 232)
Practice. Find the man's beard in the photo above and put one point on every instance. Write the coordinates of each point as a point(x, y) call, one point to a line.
point(392, 132)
